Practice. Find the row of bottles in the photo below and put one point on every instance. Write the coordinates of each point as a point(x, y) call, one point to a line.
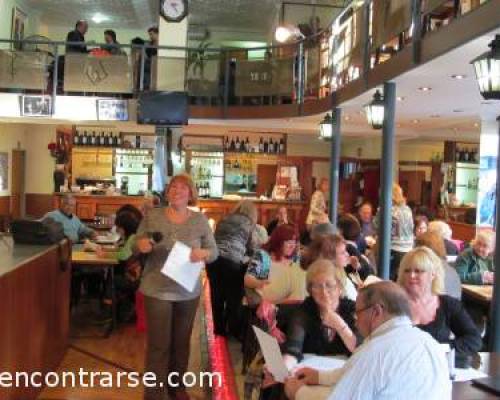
point(466, 154)
point(96, 139)
point(263, 146)
point(203, 189)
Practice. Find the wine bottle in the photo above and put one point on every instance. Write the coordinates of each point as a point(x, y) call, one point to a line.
point(247, 145)
point(75, 139)
point(276, 147)
point(261, 145)
point(106, 140)
point(119, 141)
point(101, 140)
point(114, 141)
point(137, 142)
point(466, 154)
point(266, 146)
point(232, 147)
point(237, 143)
point(84, 139)
point(242, 145)
point(271, 145)
point(282, 146)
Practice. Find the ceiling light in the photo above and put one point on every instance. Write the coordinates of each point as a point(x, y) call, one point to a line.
point(326, 128)
point(458, 110)
point(476, 125)
point(425, 89)
point(487, 69)
point(98, 18)
point(375, 111)
point(347, 118)
point(288, 33)
point(435, 116)
point(400, 98)
point(415, 121)
point(459, 76)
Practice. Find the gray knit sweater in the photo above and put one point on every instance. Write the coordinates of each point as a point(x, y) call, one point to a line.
point(195, 233)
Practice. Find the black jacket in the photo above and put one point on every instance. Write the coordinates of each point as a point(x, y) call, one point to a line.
point(76, 36)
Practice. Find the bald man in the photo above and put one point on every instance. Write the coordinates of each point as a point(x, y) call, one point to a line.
point(396, 360)
point(74, 229)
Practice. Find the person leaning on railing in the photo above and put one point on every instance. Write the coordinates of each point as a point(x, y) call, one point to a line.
point(77, 35)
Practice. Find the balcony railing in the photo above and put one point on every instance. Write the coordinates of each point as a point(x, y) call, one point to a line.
point(365, 35)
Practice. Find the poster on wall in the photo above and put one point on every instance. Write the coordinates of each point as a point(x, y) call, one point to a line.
point(486, 198)
point(4, 171)
point(17, 30)
point(36, 106)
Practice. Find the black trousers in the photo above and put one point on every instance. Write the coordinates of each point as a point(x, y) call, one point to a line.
point(226, 291)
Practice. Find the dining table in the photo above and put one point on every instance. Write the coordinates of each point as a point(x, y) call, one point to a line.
point(81, 258)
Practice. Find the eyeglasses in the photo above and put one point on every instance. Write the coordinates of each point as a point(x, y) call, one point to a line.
point(357, 312)
point(324, 286)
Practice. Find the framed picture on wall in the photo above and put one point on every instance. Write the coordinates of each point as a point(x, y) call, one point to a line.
point(36, 106)
point(112, 110)
point(18, 25)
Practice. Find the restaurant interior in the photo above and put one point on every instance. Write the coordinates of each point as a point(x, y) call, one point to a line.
point(244, 120)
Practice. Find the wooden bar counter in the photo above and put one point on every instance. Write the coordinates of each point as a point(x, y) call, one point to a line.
point(34, 310)
point(90, 206)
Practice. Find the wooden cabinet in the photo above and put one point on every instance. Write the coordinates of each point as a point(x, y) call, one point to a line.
point(85, 210)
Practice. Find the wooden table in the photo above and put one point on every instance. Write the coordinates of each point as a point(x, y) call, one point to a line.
point(486, 362)
point(479, 293)
point(109, 261)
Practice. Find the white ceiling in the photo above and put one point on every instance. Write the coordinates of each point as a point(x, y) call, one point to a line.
point(255, 15)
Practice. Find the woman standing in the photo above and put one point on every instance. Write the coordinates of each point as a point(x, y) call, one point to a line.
point(234, 241)
point(401, 229)
point(171, 309)
point(317, 209)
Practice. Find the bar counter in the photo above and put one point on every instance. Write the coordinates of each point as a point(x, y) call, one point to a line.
point(90, 206)
point(34, 309)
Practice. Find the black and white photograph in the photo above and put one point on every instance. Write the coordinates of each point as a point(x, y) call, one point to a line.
point(36, 106)
point(112, 110)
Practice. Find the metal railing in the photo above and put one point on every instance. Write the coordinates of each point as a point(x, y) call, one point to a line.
point(363, 36)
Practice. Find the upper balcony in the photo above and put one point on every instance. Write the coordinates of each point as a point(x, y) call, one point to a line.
point(370, 42)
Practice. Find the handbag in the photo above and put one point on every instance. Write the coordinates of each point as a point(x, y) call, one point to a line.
point(44, 232)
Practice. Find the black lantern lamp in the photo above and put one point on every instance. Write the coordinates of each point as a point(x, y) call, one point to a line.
point(326, 128)
point(487, 69)
point(375, 111)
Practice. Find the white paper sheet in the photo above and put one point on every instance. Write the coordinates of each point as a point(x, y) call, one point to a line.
point(179, 267)
point(321, 363)
point(272, 355)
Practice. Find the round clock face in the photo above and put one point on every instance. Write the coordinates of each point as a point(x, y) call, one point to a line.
point(173, 9)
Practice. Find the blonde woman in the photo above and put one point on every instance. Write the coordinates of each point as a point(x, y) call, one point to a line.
point(421, 274)
point(324, 323)
point(317, 208)
point(444, 230)
point(401, 229)
point(475, 265)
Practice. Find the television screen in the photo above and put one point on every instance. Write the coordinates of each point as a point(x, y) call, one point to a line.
point(162, 108)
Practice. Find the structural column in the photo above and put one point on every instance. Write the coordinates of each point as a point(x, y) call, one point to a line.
point(495, 304)
point(386, 165)
point(333, 204)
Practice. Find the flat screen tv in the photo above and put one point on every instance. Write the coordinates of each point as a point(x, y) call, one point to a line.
point(162, 108)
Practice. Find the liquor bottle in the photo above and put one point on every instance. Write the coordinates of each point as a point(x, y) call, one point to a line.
point(114, 141)
point(466, 154)
point(247, 145)
point(85, 139)
point(102, 140)
point(119, 141)
point(276, 147)
point(137, 142)
point(457, 154)
point(261, 145)
point(242, 145)
point(237, 143)
point(271, 146)
point(282, 146)
point(76, 139)
point(232, 146)
point(266, 146)
point(93, 139)
point(106, 140)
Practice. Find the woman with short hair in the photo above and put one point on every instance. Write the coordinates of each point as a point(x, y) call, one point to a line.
point(170, 308)
point(421, 274)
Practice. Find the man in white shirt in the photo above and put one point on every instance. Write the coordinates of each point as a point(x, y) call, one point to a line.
point(397, 361)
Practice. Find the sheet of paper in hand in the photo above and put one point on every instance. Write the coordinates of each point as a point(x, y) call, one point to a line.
point(272, 355)
point(180, 268)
